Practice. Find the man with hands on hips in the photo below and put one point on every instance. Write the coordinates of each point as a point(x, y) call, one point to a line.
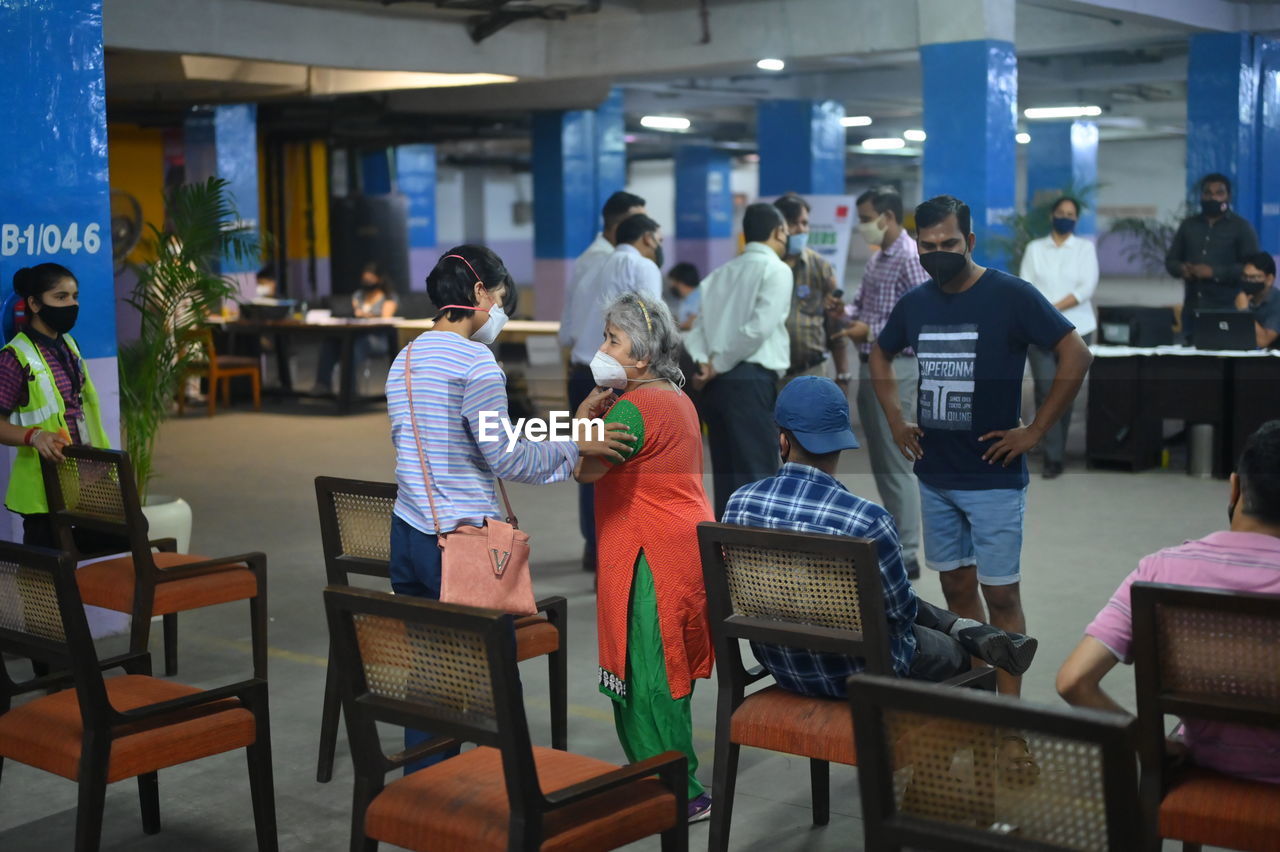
point(970, 328)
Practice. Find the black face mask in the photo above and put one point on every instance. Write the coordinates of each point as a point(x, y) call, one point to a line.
point(1212, 208)
point(943, 266)
point(1252, 288)
point(1231, 513)
point(61, 319)
point(658, 257)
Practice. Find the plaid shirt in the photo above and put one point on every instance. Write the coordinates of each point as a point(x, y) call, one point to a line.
point(805, 499)
point(890, 273)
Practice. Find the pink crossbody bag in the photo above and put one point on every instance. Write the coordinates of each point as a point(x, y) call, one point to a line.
point(485, 566)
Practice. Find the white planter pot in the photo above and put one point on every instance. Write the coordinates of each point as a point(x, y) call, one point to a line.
point(169, 517)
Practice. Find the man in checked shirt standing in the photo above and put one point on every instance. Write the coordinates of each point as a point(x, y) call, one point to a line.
point(925, 642)
point(890, 273)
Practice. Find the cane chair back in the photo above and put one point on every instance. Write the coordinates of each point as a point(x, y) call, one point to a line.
point(935, 774)
point(355, 526)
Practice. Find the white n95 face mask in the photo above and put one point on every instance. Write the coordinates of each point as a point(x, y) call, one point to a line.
point(488, 332)
point(873, 232)
point(607, 372)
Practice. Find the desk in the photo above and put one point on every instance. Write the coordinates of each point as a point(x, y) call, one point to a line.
point(344, 331)
point(515, 331)
point(1132, 390)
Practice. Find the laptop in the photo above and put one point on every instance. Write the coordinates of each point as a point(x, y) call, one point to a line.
point(1224, 329)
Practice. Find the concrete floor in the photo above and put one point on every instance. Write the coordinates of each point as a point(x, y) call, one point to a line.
point(248, 478)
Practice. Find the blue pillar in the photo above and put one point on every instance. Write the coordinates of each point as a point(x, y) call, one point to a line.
point(223, 142)
point(970, 116)
point(1062, 158)
point(704, 208)
point(375, 172)
point(54, 193)
point(1269, 141)
point(579, 160)
point(802, 147)
point(416, 179)
point(1222, 128)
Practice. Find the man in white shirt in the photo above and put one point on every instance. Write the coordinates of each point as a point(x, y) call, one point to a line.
point(577, 312)
point(1064, 268)
point(633, 267)
point(740, 343)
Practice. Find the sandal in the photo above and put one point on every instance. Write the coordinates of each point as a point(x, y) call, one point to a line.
point(1016, 766)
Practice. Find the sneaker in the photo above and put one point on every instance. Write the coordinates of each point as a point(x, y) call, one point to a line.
point(700, 808)
point(1012, 652)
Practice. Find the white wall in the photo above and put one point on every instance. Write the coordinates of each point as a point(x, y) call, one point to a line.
point(1142, 173)
point(449, 206)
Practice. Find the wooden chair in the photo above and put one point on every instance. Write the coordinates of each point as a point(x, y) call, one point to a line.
point(803, 590)
point(355, 532)
point(1213, 656)
point(452, 670)
point(95, 489)
point(220, 370)
point(921, 789)
point(111, 729)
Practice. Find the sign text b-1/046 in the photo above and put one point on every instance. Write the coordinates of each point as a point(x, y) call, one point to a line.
point(49, 239)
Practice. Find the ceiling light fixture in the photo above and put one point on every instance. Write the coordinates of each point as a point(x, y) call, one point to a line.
point(914, 135)
point(664, 122)
point(1023, 138)
point(885, 144)
point(1062, 112)
point(855, 121)
point(771, 65)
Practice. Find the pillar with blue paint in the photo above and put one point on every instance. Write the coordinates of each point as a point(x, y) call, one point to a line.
point(375, 172)
point(54, 190)
point(970, 118)
point(416, 179)
point(223, 142)
point(704, 208)
point(579, 160)
point(1222, 130)
point(802, 147)
point(1062, 159)
point(1268, 224)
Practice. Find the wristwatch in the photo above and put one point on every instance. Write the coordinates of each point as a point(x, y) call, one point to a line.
point(844, 377)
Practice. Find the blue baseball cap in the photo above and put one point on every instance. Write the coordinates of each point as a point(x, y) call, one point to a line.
point(815, 410)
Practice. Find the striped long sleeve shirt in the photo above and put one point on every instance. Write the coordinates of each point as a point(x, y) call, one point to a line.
point(456, 383)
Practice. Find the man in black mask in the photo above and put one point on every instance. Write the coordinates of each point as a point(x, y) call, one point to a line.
point(970, 328)
point(1258, 296)
point(1209, 249)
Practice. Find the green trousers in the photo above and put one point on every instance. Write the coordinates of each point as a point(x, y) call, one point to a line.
point(649, 720)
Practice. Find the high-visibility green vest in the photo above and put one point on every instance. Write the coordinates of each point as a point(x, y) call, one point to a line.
point(45, 408)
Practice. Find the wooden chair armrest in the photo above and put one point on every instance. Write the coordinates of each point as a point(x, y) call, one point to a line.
point(421, 750)
point(612, 780)
point(165, 545)
point(983, 677)
point(65, 679)
point(755, 673)
point(556, 605)
point(211, 566)
point(250, 692)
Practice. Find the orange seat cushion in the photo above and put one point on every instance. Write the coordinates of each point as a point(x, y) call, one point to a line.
point(47, 733)
point(778, 720)
point(1208, 807)
point(460, 805)
point(535, 637)
point(109, 584)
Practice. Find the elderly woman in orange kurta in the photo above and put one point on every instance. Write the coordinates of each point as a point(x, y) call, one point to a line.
point(655, 638)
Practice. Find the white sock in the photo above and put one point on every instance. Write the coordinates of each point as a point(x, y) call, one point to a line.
point(962, 624)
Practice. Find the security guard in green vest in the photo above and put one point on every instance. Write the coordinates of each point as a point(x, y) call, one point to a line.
point(46, 393)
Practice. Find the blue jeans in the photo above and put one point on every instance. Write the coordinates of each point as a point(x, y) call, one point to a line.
point(982, 528)
point(415, 570)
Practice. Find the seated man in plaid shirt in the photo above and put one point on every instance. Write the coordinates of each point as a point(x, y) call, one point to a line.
point(927, 643)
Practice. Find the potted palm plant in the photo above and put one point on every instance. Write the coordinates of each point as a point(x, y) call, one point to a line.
point(175, 293)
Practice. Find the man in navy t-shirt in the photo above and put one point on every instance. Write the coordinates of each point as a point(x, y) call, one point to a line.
point(970, 328)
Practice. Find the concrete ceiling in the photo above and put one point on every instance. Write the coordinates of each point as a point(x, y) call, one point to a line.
point(304, 59)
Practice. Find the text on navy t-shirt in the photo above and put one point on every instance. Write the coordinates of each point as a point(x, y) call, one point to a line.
point(972, 350)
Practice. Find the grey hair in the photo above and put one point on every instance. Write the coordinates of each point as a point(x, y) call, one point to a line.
point(652, 331)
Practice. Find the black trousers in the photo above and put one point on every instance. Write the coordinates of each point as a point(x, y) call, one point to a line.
point(938, 655)
point(738, 407)
point(37, 531)
point(581, 384)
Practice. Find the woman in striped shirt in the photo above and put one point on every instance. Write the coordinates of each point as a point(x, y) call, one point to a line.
point(460, 402)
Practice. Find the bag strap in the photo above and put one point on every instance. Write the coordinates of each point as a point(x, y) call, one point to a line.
point(422, 457)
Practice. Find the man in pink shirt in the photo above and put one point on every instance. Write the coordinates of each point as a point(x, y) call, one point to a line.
point(1244, 559)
